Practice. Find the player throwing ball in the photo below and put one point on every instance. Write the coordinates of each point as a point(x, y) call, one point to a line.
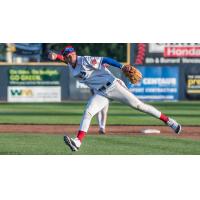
point(92, 71)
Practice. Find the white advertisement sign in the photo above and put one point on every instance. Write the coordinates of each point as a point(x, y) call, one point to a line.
point(34, 94)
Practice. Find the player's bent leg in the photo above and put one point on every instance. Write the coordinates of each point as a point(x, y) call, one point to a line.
point(95, 104)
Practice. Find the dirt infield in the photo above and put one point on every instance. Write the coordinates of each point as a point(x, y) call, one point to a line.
point(192, 132)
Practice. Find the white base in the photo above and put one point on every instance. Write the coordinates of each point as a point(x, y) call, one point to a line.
point(150, 131)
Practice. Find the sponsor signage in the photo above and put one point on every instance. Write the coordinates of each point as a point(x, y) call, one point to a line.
point(34, 76)
point(81, 85)
point(158, 83)
point(34, 94)
point(193, 84)
point(176, 52)
point(166, 53)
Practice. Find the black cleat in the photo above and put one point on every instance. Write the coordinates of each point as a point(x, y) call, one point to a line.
point(70, 143)
point(102, 131)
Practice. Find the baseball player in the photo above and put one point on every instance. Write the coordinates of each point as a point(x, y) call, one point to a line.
point(91, 71)
point(102, 117)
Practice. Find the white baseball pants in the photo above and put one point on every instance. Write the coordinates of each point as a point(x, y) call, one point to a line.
point(119, 92)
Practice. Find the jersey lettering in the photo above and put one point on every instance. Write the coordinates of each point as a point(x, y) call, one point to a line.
point(82, 75)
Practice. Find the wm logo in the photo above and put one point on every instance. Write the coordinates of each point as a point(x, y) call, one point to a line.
point(24, 92)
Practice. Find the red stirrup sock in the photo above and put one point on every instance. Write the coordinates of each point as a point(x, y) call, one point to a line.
point(81, 135)
point(164, 118)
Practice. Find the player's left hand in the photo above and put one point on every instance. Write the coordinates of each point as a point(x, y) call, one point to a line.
point(132, 73)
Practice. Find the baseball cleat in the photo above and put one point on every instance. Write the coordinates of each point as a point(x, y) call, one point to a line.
point(102, 131)
point(174, 125)
point(73, 144)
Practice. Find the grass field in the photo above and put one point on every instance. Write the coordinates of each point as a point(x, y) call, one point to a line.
point(187, 113)
point(43, 144)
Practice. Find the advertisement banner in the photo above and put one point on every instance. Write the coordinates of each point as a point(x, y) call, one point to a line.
point(158, 83)
point(34, 94)
point(166, 53)
point(34, 76)
point(193, 84)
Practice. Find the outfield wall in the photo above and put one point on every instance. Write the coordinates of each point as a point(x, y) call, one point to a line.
point(54, 83)
point(41, 83)
point(171, 72)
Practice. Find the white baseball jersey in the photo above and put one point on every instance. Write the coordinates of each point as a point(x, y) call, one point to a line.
point(90, 71)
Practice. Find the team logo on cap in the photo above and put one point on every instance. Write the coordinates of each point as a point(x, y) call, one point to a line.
point(67, 50)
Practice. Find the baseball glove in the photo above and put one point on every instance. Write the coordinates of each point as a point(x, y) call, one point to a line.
point(132, 73)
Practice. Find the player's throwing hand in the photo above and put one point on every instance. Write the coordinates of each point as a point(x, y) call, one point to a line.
point(52, 56)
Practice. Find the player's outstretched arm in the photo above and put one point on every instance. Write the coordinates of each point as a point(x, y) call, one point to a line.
point(54, 56)
point(112, 62)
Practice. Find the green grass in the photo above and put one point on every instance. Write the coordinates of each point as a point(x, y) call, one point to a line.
point(43, 144)
point(187, 113)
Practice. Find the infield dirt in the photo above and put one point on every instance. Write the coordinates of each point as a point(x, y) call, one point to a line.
point(192, 132)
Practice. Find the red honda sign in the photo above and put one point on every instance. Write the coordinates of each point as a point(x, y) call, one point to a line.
point(176, 52)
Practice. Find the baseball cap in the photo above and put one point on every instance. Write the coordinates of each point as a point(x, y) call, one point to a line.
point(67, 50)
